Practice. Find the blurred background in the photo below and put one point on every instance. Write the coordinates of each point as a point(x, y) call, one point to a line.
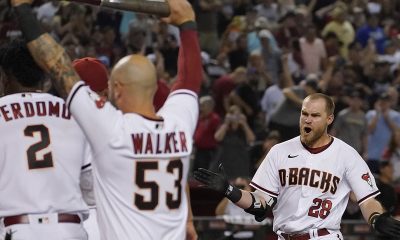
point(260, 59)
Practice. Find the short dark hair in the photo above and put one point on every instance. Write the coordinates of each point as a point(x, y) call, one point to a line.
point(17, 63)
point(329, 103)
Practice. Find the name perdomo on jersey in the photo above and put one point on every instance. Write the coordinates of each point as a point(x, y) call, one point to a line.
point(17, 110)
point(309, 177)
point(173, 142)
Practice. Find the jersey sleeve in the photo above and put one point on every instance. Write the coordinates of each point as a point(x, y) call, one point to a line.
point(183, 105)
point(266, 178)
point(97, 118)
point(87, 159)
point(360, 178)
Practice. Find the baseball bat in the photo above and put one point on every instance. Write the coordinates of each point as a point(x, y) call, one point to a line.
point(156, 7)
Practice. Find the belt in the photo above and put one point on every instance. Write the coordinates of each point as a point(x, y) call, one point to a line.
point(305, 236)
point(24, 219)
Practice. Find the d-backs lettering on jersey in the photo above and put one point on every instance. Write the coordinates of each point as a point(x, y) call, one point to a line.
point(43, 152)
point(312, 188)
point(309, 177)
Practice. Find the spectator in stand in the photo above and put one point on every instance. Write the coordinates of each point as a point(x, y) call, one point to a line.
point(392, 154)
point(372, 30)
point(312, 51)
point(350, 125)
point(238, 57)
point(246, 97)
point(268, 9)
point(286, 117)
point(234, 137)
point(332, 44)
point(342, 28)
point(382, 121)
point(257, 73)
point(223, 86)
point(271, 140)
point(204, 140)
point(207, 23)
point(288, 30)
point(271, 54)
point(273, 95)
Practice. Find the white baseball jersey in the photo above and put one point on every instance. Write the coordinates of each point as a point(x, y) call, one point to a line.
point(42, 153)
point(140, 165)
point(312, 189)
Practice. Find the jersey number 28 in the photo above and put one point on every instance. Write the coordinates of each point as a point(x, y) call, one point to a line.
point(321, 208)
point(141, 168)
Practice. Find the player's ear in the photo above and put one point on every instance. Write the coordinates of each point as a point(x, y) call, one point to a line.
point(330, 119)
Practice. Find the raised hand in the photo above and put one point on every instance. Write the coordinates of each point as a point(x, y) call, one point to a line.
point(181, 12)
point(216, 181)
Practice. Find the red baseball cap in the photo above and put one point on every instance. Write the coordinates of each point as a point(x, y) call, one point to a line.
point(93, 72)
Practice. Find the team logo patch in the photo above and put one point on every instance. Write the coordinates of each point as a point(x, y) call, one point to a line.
point(367, 178)
point(99, 101)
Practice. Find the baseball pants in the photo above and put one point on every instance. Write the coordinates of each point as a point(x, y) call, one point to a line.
point(91, 226)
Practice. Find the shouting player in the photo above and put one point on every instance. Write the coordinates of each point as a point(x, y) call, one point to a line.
point(43, 151)
point(141, 157)
point(307, 181)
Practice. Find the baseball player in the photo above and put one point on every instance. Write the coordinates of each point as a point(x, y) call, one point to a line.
point(43, 155)
point(307, 181)
point(140, 157)
point(95, 75)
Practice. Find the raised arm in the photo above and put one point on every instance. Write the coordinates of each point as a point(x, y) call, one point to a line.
point(48, 54)
point(251, 202)
point(189, 60)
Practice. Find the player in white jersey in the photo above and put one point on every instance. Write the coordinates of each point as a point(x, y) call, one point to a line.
point(95, 75)
point(140, 157)
point(43, 153)
point(307, 181)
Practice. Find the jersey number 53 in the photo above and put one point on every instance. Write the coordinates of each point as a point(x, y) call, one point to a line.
point(141, 168)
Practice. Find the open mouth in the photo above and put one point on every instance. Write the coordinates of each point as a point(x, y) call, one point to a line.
point(307, 129)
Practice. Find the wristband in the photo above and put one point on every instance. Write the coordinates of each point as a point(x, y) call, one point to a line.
point(233, 193)
point(372, 219)
point(28, 23)
point(189, 25)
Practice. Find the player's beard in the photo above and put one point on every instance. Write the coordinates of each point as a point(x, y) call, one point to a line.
point(313, 136)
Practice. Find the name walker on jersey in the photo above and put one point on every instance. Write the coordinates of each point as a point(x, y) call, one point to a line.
point(150, 143)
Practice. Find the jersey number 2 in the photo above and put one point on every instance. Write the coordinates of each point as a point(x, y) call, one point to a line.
point(321, 208)
point(33, 161)
point(141, 168)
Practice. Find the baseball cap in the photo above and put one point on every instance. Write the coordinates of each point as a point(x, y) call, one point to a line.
point(93, 72)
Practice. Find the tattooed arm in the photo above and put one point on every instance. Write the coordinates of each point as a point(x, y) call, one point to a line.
point(47, 53)
point(52, 57)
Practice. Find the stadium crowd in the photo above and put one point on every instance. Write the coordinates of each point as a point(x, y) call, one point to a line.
point(261, 58)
